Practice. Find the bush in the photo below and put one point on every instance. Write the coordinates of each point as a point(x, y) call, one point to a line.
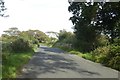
point(101, 40)
point(117, 41)
point(114, 57)
point(108, 55)
point(21, 45)
point(100, 54)
point(6, 47)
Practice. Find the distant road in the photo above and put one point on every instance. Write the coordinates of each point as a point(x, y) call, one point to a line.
point(55, 63)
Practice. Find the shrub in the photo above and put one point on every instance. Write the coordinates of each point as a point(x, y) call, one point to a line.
point(108, 55)
point(21, 45)
point(6, 47)
point(101, 40)
point(100, 54)
point(117, 41)
point(114, 57)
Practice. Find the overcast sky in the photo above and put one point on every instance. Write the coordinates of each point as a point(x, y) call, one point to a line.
point(45, 15)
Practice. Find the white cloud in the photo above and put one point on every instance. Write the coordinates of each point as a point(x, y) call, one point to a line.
point(45, 15)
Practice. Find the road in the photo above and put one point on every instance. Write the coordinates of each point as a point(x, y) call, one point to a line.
point(55, 63)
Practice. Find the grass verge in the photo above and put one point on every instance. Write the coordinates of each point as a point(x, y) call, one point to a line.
point(87, 56)
point(13, 62)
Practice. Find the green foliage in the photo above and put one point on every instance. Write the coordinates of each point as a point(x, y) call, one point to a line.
point(12, 63)
point(108, 55)
point(108, 20)
point(65, 36)
point(16, 41)
point(62, 46)
point(92, 20)
point(20, 45)
point(117, 41)
point(88, 56)
point(12, 31)
point(74, 52)
point(97, 29)
point(66, 40)
point(100, 54)
point(85, 46)
point(6, 47)
point(51, 41)
point(34, 35)
point(17, 49)
point(83, 14)
point(101, 40)
point(114, 57)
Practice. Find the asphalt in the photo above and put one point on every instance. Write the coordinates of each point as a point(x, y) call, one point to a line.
point(55, 63)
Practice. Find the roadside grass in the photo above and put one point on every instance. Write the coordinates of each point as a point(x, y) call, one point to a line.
point(75, 52)
point(13, 62)
point(35, 47)
point(87, 56)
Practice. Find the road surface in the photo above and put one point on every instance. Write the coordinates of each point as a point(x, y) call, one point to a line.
point(55, 63)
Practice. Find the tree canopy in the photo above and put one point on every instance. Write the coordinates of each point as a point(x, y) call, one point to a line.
point(91, 20)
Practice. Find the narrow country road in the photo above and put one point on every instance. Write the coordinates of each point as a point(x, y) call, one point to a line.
point(55, 63)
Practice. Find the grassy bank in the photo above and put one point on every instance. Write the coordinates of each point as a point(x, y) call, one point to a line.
point(13, 62)
point(87, 56)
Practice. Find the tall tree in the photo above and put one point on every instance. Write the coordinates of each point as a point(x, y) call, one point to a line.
point(83, 17)
point(89, 20)
point(108, 20)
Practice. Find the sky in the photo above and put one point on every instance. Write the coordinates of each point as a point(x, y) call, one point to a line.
point(44, 15)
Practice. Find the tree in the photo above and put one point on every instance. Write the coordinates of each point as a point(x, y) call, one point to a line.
point(91, 20)
point(66, 39)
point(108, 20)
point(82, 19)
point(41, 36)
point(12, 31)
point(2, 8)
point(10, 35)
point(62, 35)
point(52, 34)
point(35, 34)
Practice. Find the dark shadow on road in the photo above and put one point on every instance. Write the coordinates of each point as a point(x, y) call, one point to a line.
point(50, 63)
